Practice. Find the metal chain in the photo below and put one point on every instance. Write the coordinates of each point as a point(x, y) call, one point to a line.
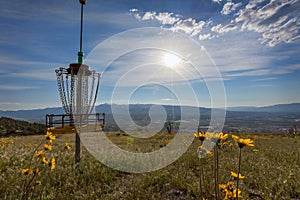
point(59, 75)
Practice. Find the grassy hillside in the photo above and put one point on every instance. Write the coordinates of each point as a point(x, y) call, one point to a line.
point(272, 171)
point(9, 127)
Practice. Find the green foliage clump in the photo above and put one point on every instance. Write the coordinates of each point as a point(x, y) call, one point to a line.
point(13, 127)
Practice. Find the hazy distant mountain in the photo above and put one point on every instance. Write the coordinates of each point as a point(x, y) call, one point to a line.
point(242, 108)
point(276, 118)
point(279, 108)
point(36, 115)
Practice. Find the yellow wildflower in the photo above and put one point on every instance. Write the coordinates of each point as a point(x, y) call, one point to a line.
point(231, 194)
point(239, 193)
point(202, 152)
point(49, 136)
point(67, 146)
point(223, 136)
point(40, 154)
point(37, 171)
point(235, 176)
point(52, 163)
point(223, 186)
point(221, 139)
point(228, 195)
point(243, 142)
point(209, 153)
point(227, 186)
point(235, 137)
point(26, 171)
point(214, 137)
point(44, 161)
point(200, 136)
point(47, 147)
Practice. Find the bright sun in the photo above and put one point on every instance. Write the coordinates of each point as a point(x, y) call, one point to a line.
point(171, 60)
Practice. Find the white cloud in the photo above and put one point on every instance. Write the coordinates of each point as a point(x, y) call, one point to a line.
point(143, 53)
point(133, 10)
point(217, 1)
point(266, 79)
point(223, 29)
point(135, 13)
point(9, 103)
point(260, 85)
point(149, 15)
point(206, 36)
point(17, 87)
point(245, 57)
point(37, 70)
point(38, 75)
point(259, 72)
point(230, 7)
point(284, 33)
point(189, 26)
point(167, 99)
point(287, 69)
point(278, 21)
point(166, 18)
point(163, 17)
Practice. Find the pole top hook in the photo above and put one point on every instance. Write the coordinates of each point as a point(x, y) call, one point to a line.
point(83, 2)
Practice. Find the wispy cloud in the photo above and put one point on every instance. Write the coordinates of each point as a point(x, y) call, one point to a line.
point(217, 1)
point(266, 79)
point(276, 21)
point(221, 29)
point(206, 36)
point(167, 99)
point(9, 103)
point(175, 22)
point(17, 87)
point(259, 72)
point(15, 67)
point(230, 7)
point(33, 75)
point(139, 55)
point(286, 69)
point(260, 85)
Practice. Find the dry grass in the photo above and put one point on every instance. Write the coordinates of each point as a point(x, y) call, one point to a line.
point(271, 173)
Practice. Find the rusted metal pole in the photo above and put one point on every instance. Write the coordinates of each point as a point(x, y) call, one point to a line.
point(77, 149)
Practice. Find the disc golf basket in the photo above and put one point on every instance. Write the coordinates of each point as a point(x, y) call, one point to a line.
point(78, 88)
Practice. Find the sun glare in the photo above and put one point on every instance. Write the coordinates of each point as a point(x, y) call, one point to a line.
point(171, 60)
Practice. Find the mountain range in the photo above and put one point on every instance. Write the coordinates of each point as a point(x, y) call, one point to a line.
point(275, 118)
point(279, 108)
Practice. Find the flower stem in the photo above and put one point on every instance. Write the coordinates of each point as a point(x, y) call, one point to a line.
point(217, 157)
point(203, 181)
point(26, 184)
point(215, 171)
point(31, 157)
point(238, 174)
point(200, 179)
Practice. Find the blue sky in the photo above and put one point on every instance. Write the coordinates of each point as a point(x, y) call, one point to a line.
point(253, 44)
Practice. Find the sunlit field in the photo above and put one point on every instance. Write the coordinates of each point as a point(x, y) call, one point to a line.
point(271, 170)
